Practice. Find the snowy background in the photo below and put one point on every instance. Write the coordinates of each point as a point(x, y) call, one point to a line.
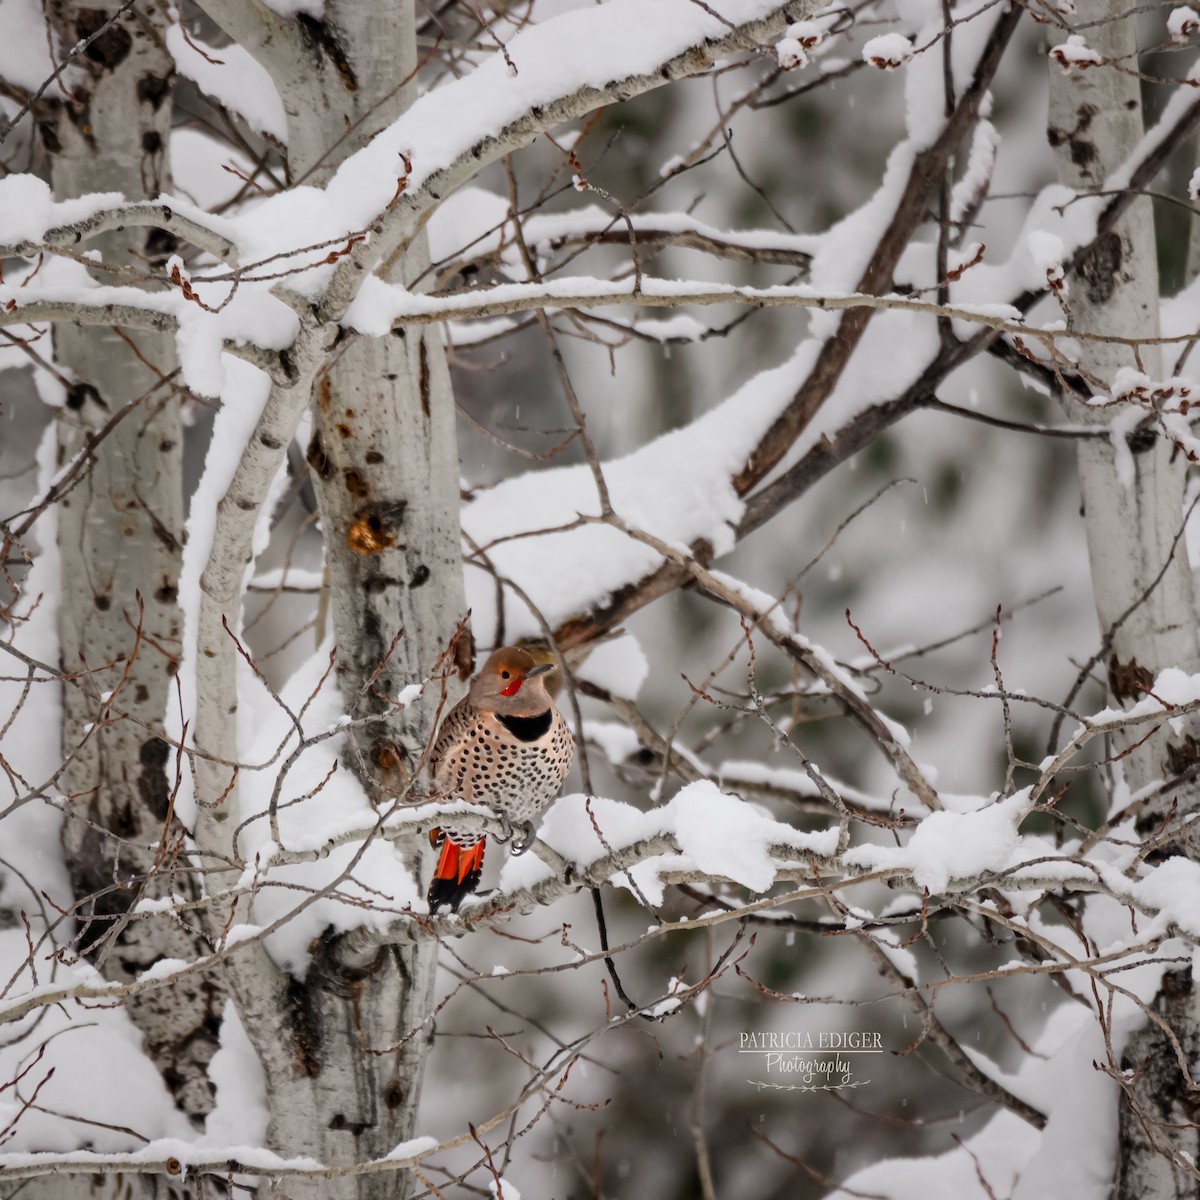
point(918, 539)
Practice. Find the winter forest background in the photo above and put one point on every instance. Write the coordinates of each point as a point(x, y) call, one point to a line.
point(812, 384)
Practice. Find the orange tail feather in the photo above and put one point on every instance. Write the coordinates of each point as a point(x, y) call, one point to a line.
point(456, 875)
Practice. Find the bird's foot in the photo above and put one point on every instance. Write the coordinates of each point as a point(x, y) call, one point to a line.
point(519, 847)
point(507, 827)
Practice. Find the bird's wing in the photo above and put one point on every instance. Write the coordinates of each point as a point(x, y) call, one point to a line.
point(450, 751)
point(563, 742)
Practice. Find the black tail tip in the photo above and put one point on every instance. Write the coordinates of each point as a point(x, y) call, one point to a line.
point(452, 891)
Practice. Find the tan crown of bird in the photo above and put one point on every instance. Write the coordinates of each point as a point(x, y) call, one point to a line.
point(504, 745)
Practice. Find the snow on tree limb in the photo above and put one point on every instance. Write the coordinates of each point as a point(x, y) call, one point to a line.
point(107, 213)
point(235, 79)
point(431, 152)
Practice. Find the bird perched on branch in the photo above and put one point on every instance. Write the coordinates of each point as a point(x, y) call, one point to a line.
point(506, 746)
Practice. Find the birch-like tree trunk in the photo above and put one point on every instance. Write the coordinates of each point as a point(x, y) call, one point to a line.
point(385, 468)
point(1132, 527)
point(120, 541)
point(120, 537)
point(1140, 573)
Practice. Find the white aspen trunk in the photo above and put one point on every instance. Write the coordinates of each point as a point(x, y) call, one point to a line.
point(120, 540)
point(1193, 258)
point(1095, 122)
point(1133, 541)
point(385, 468)
point(120, 537)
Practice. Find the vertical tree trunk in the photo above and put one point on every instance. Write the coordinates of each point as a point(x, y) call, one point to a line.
point(1132, 528)
point(120, 538)
point(1140, 573)
point(385, 468)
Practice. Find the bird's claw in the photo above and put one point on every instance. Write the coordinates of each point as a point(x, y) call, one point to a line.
point(519, 847)
point(509, 834)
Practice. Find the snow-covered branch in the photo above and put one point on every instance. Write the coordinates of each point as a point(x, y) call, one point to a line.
point(186, 222)
point(24, 308)
point(379, 308)
point(430, 153)
point(931, 863)
point(274, 39)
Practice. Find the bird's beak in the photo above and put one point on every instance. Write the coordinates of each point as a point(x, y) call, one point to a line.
point(540, 669)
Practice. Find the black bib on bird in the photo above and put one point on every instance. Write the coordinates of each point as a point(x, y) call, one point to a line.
point(527, 729)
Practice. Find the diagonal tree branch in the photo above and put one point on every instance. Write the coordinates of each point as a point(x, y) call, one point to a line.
point(421, 192)
point(924, 178)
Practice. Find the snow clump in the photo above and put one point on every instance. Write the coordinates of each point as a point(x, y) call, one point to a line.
point(888, 51)
point(1075, 53)
point(1182, 23)
point(790, 54)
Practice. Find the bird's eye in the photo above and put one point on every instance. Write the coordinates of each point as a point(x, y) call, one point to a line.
point(503, 674)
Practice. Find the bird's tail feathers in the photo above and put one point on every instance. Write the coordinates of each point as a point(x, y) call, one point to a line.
point(458, 871)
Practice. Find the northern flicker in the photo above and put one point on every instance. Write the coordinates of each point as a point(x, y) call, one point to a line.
point(504, 745)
